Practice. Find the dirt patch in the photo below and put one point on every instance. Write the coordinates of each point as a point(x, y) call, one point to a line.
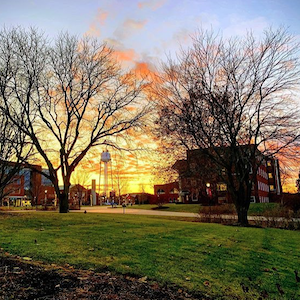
point(23, 279)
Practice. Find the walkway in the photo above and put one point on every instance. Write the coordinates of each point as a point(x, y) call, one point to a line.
point(131, 211)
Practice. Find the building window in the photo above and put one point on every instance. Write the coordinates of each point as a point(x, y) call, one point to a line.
point(174, 191)
point(160, 191)
point(270, 175)
point(252, 199)
point(221, 187)
point(272, 188)
point(269, 164)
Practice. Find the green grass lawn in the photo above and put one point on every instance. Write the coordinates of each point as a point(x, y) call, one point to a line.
point(210, 258)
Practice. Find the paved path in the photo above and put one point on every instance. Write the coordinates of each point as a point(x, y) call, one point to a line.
point(131, 211)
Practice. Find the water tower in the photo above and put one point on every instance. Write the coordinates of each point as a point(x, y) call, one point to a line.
point(105, 158)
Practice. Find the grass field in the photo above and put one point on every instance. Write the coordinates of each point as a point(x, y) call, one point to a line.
point(214, 259)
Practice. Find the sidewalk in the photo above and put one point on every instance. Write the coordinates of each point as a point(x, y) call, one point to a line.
point(130, 211)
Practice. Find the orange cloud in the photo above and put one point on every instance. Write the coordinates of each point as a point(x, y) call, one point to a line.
point(126, 55)
point(93, 31)
point(154, 5)
point(136, 25)
point(101, 16)
point(99, 19)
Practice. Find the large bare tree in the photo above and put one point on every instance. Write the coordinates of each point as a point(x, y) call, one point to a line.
point(234, 99)
point(72, 96)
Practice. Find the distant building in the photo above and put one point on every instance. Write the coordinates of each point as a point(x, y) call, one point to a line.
point(29, 187)
point(201, 182)
point(138, 198)
point(167, 193)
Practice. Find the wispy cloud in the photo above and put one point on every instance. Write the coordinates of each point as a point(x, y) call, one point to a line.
point(128, 28)
point(240, 26)
point(97, 22)
point(152, 4)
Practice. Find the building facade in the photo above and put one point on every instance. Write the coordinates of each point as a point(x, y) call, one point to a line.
point(29, 187)
point(201, 182)
point(167, 193)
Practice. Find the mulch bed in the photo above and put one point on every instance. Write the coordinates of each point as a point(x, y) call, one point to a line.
point(21, 278)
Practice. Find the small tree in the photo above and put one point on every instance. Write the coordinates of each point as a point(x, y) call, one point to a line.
point(72, 95)
point(234, 100)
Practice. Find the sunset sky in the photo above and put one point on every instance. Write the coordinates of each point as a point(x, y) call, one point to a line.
point(144, 32)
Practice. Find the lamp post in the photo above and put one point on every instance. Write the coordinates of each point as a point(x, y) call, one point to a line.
point(45, 197)
point(209, 194)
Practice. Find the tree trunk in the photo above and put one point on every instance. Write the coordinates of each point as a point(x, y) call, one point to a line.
point(242, 215)
point(242, 203)
point(63, 202)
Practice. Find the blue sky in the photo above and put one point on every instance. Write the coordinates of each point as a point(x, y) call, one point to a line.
point(146, 30)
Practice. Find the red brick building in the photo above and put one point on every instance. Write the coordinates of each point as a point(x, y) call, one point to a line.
point(29, 187)
point(201, 182)
point(168, 192)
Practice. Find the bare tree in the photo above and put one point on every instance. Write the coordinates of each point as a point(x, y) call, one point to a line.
point(119, 178)
point(14, 151)
point(234, 100)
point(72, 95)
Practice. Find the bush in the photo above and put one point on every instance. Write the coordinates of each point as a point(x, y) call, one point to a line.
point(224, 209)
point(292, 202)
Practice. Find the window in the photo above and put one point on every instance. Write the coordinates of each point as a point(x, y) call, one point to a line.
point(160, 191)
point(221, 187)
point(269, 164)
point(272, 188)
point(270, 175)
point(174, 191)
point(194, 198)
point(252, 199)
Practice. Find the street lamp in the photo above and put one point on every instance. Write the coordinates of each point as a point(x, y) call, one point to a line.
point(46, 197)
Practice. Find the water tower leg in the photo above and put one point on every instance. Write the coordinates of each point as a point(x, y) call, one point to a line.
point(94, 191)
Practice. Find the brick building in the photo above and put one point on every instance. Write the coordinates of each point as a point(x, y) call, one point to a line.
point(29, 187)
point(168, 192)
point(201, 182)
